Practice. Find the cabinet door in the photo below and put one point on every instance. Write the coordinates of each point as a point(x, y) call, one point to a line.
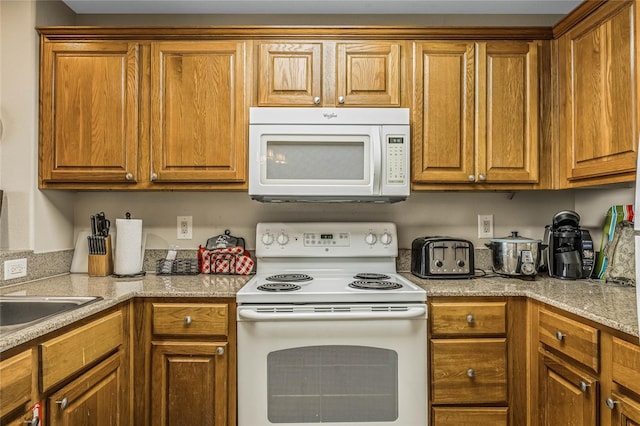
point(198, 111)
point(368, 74)
point(89, 112)
point(189, 383)
point(92, 399)
point(444, 109)
point(507, 115)
point(567, 395)
point(289, 74)
point(597, 91)
point(626, 411)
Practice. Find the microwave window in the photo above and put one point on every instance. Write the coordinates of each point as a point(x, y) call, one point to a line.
point(317, 160)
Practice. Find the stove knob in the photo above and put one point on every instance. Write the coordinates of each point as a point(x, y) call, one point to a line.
point(370, 238)
point(283, 239)
point(386, 238)
point(267, 239)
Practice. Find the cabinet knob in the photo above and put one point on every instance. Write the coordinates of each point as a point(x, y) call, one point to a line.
point(472, 178)
point(33, 422)
point(471, 373)
point(471, 319)
point(187, 320)
point(560, 336)
point(316, 100)
point(220, 350)
point(128, 176)
point(583, 386)
point(482, 177)
point(340, 99)
point(154, 176)
point(610, 403)
point(63, 403)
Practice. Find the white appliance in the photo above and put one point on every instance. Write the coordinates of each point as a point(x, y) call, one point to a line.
point(328, 332)
point(329, 154)
point(636, 225)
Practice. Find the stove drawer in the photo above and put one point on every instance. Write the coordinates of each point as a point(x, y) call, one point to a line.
point(469, 371)
point(190, 319)
point(468, 318)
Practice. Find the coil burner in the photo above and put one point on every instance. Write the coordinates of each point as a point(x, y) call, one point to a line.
point(289, 278)
point(371, 276)
point(375, 285)
point(279, 287)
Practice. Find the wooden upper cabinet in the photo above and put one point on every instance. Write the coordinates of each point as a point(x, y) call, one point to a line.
point(327, 73)
point(198, 111)
point(289, 73)
point(598, 98)
point(88, 112)
point(475, 114)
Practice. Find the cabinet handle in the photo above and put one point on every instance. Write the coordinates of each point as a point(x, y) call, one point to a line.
point(316, 100)
point(470, 319)
point(187, 320)
point(154, 176)
point(340, 99)
point(220, 350)
point(471, 373)
point(610, 403)
point(482, 177)
point(472, 178)
point(64, 403)
point(128, 176)
point(560, 336)
point(583, 386)
point(33, 422)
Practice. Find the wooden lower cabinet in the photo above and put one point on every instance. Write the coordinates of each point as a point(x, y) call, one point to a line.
point(189, 383)
point(93, 399)
point(448, 416)
point(568, 396)
point(625, 411)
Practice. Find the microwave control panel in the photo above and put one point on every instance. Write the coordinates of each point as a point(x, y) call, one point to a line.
point(396, 160)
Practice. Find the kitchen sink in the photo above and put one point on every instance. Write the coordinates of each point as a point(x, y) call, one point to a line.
point(17, 312)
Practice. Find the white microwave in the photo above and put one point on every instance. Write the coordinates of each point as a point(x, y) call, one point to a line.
point(329, 154)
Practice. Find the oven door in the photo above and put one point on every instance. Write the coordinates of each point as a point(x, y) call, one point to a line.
point(347, 365)
point(314, 160)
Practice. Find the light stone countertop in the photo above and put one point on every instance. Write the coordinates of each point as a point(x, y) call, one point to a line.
point(610, 305)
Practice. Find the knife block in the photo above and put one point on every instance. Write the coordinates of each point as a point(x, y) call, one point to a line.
point(101, 265)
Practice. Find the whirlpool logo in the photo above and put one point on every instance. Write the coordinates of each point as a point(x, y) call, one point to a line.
point(329, 115)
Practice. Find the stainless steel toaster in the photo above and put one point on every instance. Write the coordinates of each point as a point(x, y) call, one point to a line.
point(442, 257)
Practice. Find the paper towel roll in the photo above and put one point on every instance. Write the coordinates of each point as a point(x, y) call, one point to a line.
point(128, 259)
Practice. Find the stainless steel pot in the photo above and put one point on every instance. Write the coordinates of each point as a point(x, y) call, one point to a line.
point(515, 255)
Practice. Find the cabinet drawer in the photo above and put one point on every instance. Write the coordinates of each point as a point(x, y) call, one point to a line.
point(456, 416)
point(191, 319)
point(69, 353)
point(626, 364)
point(471, 318)
point(469, 371)
point(15, 382)
point(572, 338)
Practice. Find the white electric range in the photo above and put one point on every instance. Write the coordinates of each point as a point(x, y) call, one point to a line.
point(328, 331)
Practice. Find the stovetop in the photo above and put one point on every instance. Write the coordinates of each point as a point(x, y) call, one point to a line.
point(328, 262)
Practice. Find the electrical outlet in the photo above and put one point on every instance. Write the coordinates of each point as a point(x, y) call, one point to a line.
point(16, 268)
point(185, 227)
point(485, 226)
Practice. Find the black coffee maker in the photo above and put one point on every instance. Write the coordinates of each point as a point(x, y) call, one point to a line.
point(569, 252)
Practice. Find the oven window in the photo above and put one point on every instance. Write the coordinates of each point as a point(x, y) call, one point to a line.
point(321, 158)
point(332, 384)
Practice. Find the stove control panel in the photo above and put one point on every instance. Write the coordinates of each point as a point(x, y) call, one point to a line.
point(339, 239)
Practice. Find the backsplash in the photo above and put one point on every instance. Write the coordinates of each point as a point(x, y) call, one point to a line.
point(39, 265)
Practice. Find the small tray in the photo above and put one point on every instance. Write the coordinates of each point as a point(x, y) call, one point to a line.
point(177, 267)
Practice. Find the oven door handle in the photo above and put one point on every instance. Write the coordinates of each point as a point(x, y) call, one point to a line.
point(412, 312)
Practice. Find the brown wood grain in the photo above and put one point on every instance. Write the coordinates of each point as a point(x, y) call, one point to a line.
point(69, 353)
point(470, 416)
point(15, 382)
point(626, 364)
point(451, 318)
point(207, 319)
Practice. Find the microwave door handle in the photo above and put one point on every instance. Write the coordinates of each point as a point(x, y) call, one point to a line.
point(376, 165)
